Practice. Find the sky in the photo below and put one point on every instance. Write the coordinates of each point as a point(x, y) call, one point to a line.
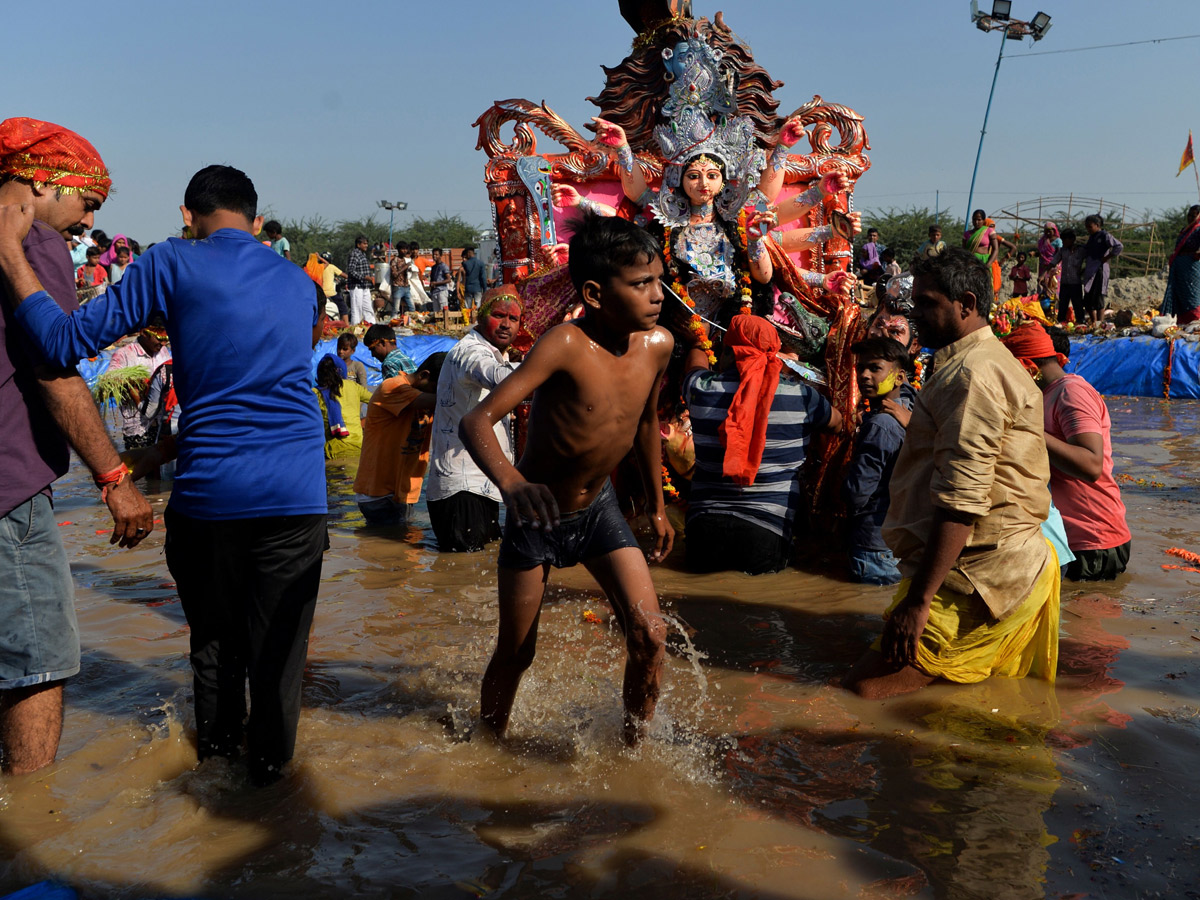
point(332, 107)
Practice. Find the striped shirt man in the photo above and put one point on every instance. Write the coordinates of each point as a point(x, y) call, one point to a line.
point(797, 411)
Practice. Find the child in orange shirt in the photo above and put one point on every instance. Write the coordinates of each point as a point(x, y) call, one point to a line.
point(395, 448)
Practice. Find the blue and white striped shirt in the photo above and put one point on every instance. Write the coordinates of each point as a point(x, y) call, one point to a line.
point(771, 502)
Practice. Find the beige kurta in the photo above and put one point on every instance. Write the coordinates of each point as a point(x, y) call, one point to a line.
point(975, 446)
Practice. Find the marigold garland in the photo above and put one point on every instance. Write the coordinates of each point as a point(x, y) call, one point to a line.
point(696, 323)
point(747, 307)
point(1187, 555)
point(918, 374)
point(669, 490)
point(1140, 482)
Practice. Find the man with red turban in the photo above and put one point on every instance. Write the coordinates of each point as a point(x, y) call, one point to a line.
point(751, 427)
point(1079, 443)
point(44, 408)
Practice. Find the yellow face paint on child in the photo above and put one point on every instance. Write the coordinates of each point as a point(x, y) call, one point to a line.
point(888, 384)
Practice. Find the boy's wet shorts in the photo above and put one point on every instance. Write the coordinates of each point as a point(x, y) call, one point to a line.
point(581, 535)
point(39, 640)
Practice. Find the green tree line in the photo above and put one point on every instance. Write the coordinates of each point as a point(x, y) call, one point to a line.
point(317, 235)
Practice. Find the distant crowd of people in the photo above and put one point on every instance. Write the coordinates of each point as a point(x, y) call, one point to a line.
point(1072, 278)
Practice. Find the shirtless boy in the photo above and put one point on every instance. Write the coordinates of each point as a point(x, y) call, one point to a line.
point(595, 393)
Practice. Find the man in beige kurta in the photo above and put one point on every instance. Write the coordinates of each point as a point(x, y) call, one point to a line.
point(968, 496)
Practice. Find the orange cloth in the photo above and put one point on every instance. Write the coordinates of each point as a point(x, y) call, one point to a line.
point(49, 154)
point(1030, 342)
point(395, 448)
point(755, 345)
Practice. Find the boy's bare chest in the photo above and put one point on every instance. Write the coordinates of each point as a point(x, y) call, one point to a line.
point(606, 393)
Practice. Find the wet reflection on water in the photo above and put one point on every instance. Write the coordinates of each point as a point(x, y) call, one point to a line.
point(760, 779)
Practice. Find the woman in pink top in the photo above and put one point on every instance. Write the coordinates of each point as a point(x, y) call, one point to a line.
point(1078, 441)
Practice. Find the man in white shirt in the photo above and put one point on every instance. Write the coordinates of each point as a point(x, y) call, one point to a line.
point(464, 506)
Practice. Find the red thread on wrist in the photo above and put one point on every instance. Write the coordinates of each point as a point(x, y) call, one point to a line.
point(110, 480)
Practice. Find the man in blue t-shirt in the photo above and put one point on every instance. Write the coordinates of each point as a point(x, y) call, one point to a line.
point(247, 516)
point(751, 426)
point(279, 243)
point(474, 280)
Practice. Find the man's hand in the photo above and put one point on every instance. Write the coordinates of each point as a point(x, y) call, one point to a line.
point(531, 506)
point(900, 413)
point(902, 632)
point(15, 222)
point(132, 517)
point(664, 537)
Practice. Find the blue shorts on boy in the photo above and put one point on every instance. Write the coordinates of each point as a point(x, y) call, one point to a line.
point(596, 530)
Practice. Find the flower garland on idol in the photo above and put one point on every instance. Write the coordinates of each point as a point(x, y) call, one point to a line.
point(744, 280)
point(696, 323)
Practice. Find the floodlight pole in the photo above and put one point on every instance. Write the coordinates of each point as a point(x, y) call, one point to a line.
point(983, 131)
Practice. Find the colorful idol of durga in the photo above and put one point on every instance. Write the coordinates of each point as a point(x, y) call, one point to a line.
point(689, 143)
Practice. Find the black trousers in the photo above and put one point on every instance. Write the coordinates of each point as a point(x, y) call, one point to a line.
point(464, 522)
point(1098, 565)
point(248, 588)
point(721, 543)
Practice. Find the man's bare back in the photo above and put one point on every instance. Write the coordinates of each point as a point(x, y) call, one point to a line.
point(585, 417)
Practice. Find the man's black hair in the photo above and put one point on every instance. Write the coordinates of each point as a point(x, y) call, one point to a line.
point(1061, 340)
point(273, 227)
point(93, 251)
point(889, 253)
point(221, 187)
point(1094, 219)
point(604, 245)
point(99, 236)
point(433, 364)
point(359, 239)
point(885, 348)
point(413, 245)
point(378, 333)
point(1068, 233)
point(957, 272)
point(346, 339)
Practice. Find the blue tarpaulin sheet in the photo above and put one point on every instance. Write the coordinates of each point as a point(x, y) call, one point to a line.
point(418, 346)
point(1136, 366)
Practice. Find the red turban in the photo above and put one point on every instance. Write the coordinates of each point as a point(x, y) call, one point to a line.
point(1029, 342)
point(48, 154)
point(755, 345)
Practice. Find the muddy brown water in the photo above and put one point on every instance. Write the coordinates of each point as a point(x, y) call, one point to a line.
point(759, 780)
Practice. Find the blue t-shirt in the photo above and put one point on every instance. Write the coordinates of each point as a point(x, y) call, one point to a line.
point(865, 489)
point(240, 319)
point(797, 410)
point(281, 246)
point(474, 275)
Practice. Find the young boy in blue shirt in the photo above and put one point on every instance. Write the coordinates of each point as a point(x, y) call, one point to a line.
point(247, 515)
point(596, 381)
point(880, 365)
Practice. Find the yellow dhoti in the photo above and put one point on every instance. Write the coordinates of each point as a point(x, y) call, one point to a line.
point(964, 642)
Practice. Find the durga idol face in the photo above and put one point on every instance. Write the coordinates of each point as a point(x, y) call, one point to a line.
point(702, 182)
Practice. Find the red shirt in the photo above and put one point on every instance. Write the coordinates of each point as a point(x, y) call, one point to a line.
point(1092, 512)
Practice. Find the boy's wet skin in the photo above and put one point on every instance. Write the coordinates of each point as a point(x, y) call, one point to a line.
point(582, 421)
